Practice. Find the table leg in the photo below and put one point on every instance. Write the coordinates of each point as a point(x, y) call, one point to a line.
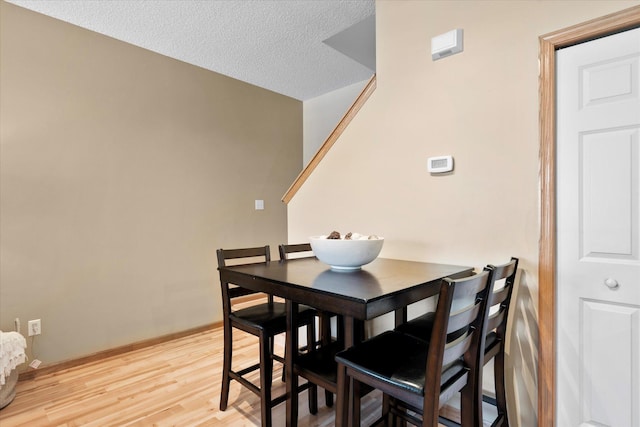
point(400, 316)
point(349, 331)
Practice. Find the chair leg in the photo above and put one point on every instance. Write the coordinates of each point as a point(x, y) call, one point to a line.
point(501, 398)
point(342, 397)
point(313, 399)
point(226, 367)
point(284, 370)
point(272, 346)
point(355, 408)
point(266, 373)
point(394, 419)
point(328, 398)
point(313, 389)
point(325, 339)
point(470, 413)
point(386, 407)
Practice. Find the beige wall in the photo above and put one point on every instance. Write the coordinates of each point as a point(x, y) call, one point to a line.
point(481, 107)
point(122, 171)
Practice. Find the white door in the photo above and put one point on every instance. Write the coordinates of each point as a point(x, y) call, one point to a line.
point(598, 235)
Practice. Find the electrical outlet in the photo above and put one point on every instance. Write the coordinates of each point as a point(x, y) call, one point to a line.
point(35, 327)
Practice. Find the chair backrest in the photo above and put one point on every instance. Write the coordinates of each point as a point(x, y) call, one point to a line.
point(300, 250)
point(456, 339)
point(259, 254)
point(240, 256)
point(504, 276)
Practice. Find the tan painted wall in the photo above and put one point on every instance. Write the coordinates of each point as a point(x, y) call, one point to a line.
point(122, 171)
point(481, 106)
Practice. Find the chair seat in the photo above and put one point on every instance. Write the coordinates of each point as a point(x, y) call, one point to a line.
point(320, 365)
point(396, 359)
point(271, 317)
point(420, 327)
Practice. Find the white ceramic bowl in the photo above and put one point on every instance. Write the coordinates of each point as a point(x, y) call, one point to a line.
point(345, 254)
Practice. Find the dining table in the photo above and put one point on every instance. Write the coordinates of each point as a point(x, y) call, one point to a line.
point(383, 286)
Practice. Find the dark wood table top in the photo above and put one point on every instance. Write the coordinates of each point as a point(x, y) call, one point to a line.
point(379, 287)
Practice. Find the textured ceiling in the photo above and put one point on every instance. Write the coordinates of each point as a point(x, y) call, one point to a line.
point(274, 44)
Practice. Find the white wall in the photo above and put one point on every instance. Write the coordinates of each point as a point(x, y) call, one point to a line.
point(323, 113)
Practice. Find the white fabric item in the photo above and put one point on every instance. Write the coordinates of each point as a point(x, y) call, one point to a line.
point(12, 346)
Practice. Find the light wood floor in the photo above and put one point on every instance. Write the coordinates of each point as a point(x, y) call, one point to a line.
point(176, 383)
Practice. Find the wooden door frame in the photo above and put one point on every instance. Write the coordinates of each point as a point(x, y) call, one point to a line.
point(549, 43)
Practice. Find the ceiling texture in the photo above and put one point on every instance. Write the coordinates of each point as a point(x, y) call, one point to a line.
point(298, 48)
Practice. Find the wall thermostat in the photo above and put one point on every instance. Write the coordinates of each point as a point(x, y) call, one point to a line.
point(440, 164)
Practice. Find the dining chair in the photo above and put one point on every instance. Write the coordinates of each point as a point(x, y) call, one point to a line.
point(318, 365)
point(265, 320)
point(304, 250)
point(419, 376)
point(499, 302)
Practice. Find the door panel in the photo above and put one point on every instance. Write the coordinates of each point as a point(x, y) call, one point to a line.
point(608, 160)
point(608, 394)
point(598, 235)
point(612, 80)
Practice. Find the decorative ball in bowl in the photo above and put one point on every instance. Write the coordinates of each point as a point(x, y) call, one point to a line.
point(348, 252)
